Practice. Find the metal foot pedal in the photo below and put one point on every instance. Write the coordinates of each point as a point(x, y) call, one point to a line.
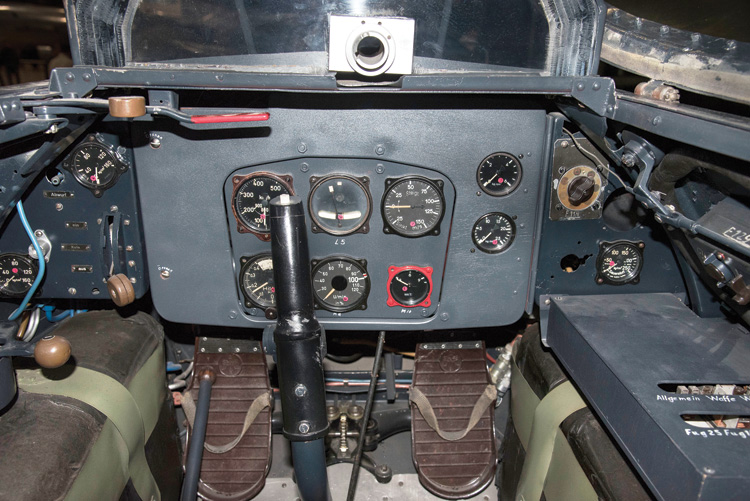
point(453, 423)
point(237, 453)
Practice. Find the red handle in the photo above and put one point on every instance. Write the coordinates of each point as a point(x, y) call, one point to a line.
point(235, 117)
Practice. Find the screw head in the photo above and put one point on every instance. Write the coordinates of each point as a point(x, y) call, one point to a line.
point(165, 274)
point(72, 291)
point(380, 149)
point(300, 390)
point(113, 208)
point(58, 206)
point(302, 147)
point(304, 427)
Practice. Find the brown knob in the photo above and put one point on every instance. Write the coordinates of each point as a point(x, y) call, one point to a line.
point(127, 106)
point(52, 351)
point(120, 289)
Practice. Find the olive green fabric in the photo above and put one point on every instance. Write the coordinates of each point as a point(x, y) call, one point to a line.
point(551, 411)
point(115, 401)
point(149, 391)
point(566, 479)
point(523, 403)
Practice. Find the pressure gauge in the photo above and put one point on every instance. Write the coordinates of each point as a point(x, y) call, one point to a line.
point(340, 204)
point(251, 197)
point(619, 262)
point(413, 206)
point(493, 233)
point(340, 284)
point(499, 174)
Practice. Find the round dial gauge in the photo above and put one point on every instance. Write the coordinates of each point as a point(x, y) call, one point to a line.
point(341, 284)
point(619, 262)
point(256, 281)
point(413, 207)
point(17, 274)
point(94, 166)
point(499, 174)
point(493, 232)
point(339, 204)
point(409, 286)
point(251, 198)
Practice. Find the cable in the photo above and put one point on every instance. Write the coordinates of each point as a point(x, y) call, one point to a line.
point(33, 325)
point(40, 255)
point(595, 159)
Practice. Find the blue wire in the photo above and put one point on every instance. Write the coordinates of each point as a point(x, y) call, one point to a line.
point(42, 266)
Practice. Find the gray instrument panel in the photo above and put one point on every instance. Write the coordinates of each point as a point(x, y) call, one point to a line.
point(191, 233)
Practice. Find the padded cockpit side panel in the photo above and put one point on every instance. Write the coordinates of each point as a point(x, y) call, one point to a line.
point(44, 441)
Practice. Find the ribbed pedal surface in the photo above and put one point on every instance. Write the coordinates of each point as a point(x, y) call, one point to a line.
point(241, 376)
point(453, 378)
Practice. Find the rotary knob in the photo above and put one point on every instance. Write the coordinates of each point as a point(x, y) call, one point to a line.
point(580, 190)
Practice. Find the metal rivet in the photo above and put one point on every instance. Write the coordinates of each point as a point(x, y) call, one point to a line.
point(220, 350)
point(232, 314)
point(131, 263)
point(302, 147)
point(380, 168)
point(304, 167)
point(380, 149)
point(113, 208)
point(59, 206)
point(72, 291)
point(596, 86)
point(129, 248)
point(126, 222)
point(133, 280)
point(70, 77)
point(580, 86)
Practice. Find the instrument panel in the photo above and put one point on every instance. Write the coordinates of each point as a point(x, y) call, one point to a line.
point(384, 189)
point(349, 203)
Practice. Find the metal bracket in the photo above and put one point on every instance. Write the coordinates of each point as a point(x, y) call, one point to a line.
point(545, 302)
point(11, 111)
point(72, 82)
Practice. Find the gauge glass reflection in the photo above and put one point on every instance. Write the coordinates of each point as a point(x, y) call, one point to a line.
point(339, 205)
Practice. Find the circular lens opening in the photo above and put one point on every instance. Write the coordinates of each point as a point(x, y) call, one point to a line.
point(370, 51)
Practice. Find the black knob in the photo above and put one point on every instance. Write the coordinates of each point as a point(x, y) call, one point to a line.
point(580, 190)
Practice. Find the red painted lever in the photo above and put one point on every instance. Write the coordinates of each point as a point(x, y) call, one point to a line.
point(234, 117)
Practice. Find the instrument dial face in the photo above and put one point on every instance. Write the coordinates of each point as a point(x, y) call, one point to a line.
point(251, 198)
point(413, 207)
point(256, 281)
point(493, 232)
point(17, 274)
point(619, 262)
point(340, 205)
point(409, 287)
point(94, 166)
point(499, 174)
point(341, 284)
